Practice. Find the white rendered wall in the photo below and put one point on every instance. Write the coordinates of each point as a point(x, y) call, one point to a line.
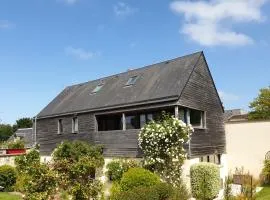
point(247, 144)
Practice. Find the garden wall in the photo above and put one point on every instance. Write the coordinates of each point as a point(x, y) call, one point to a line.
point(247, 144)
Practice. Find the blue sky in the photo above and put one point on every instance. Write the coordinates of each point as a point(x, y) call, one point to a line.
point(46, 45)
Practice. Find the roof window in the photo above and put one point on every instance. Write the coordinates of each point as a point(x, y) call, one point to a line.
point(131, 80)
point(97, 88)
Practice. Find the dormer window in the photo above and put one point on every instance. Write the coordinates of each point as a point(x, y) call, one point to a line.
point(97, 88)
point(131, 80)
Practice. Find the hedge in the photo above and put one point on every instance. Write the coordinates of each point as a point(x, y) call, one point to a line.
point(205, 180)
point(7, 177)
point(135, 177)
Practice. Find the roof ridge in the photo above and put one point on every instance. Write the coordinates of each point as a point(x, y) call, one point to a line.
point(140, 68)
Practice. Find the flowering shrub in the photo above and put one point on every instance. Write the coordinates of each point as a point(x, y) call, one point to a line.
point(162, 144)
point(7, 177)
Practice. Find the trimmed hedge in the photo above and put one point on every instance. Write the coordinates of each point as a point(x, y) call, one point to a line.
point(7, 177)
point(161, 191)
point(205, 180)
point(136, 177)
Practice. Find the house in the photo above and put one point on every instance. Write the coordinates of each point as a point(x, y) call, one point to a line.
point(247, 143)
point(25, 134)
point(111, 110)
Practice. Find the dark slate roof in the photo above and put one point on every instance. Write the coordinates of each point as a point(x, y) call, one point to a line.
point(161, 81)
point(228, 114)
point(26, 134)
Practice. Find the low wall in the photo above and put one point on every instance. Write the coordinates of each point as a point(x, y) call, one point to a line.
point(247, 144)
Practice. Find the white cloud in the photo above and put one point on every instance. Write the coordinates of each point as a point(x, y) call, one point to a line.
point(69, 2)
point(5, 24)
point(205, 21)
point(80, 53)
point(228, 96)
point(123, 9)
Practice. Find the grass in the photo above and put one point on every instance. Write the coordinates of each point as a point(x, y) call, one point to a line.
point(264, 194)
point(8, 196)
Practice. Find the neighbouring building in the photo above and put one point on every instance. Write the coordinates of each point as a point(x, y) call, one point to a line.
point(247, 143)
point(111, 110)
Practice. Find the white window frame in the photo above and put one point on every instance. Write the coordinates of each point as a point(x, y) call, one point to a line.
point(75, 125)
point(203, 118)
point(60, 123)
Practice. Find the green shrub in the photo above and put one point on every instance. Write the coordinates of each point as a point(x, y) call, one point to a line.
point(205, 180)
point(17, 144)
point(161, 191)
point(266, 172)
point(116, 168)
point(135, 177)
point(180, 192)
point(7, 177)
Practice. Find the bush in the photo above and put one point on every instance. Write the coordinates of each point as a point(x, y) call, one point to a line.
point(180, 192)
point(205, 180)
point(17, 144)
point(116, 168)
point(7, 177)
point(266, 172)
point(135, 177)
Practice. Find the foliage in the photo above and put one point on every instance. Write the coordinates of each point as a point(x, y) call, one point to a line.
point(5, 131)
point(261, 105)
point(75, 164)
point(115, 190)
point(162, 144)
point(228, 188)
point(205, 180)
point(135, 177)
point(116, 168)
point(25, 122)
point(7, 177)
point(17, 144)
point(160, 191)
point(181, 192)
point(266, 172)
point(36, 180)
point(248, 183)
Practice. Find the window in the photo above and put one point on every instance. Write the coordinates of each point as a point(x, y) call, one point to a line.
point(97, 88)
point(214, 158)
point(109, 122)
point(75, 127)
point(197, 118)
point(60, 126)
point(133, 121)
point(131, 80)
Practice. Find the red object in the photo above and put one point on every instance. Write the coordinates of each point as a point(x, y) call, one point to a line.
point(15, 151)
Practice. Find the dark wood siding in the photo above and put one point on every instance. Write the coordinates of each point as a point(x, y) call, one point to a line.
point(200, 93)
point(47, 131)
point(119, 143)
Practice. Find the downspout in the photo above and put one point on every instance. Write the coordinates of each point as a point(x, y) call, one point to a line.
point(35, 130)
point(188, 122)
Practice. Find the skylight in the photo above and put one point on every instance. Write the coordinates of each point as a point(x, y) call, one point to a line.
point(131, 80)
point(97, 88)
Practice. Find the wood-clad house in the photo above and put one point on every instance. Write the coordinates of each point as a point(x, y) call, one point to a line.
point(111, 110)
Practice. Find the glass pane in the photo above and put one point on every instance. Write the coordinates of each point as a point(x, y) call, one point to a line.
point(195, 117)
point(131, 80)
point(142, 120)
point(97, 88)
point(109, 122)
point(133, 122)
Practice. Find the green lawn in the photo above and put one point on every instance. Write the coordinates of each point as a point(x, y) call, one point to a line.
point(264, 194)
point(7, 196)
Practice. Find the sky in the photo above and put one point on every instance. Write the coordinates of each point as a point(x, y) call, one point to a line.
point(46, 45)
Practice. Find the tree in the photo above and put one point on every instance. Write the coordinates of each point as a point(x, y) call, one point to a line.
point(75, 164)
point(5, 131)
point(261, 105)
point(162, 143)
